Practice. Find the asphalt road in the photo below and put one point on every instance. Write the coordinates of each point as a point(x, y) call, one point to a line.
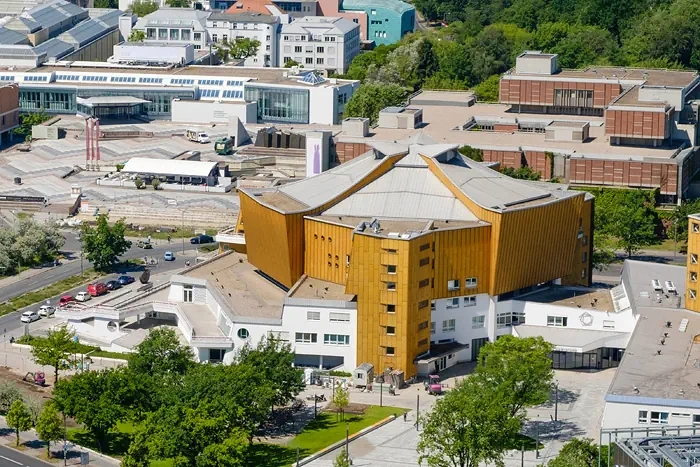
point(11, 458)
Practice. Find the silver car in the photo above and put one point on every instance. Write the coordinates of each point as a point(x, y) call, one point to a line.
point(46, 310)
point(30, 317)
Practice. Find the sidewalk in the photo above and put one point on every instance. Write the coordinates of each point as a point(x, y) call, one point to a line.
point(32, 446)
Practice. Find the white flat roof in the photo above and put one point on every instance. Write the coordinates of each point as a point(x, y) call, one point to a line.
point(168, 167)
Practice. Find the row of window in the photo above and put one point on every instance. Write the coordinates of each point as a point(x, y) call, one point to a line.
point(234, 83)
point(233, 94)
point(211, 82)
point(122, 79)
point(181, 81)
point(328, 339)
point(310, 60)
point(36, 78)
point(94, 78)
point(455, 302)
point(315, 37)
point(175, 34)
point(333, 317)
point(7, 78)
point(209, 92)
point(151, 80)
point(661, 418)
point(469, 282)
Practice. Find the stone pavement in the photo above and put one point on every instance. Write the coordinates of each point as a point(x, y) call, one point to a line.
point(32, 446)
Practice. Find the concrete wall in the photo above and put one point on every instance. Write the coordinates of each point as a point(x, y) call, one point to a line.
point(187, 111)
point(624, 415)
point(98, 50)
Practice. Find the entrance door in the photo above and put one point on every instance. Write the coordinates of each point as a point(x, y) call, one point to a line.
point(441, 364)
point(477, 344)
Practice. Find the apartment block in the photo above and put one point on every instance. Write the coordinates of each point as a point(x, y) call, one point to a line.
point(175, 26)
point(320, 42)
point(224, 27)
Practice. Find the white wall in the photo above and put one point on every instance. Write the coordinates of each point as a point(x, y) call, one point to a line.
point(186, 111)
point(335, 49)
point(536, 315)
point(265, 33)
point(464, 332)
point(622, 415)
point(674, 96)
point(97, 329)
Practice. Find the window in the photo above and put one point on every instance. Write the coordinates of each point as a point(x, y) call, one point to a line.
point(243, 333)
point(424, 261)
point(187, 293)
point(391, 285)
point(643, 416)
point(197, 36)
point(453, 302)
point(374, 12)
point(163, 34)
point(693, 258)
point(185, 35)
point(391, 308)
point(309, 60)
point(336, 339)
point(470, 282)
point(478, 321)
point(583, 273)
point(453, 285)
point(339, 317)
point(584, 257)
point(423, 325)
point(267, 38)
point(696, 419)
point(151, 33)
point(692, 294)
point(390, 351)
point(423, 304)
point(470, 300)
point(448, 325)
point(423, 283)
point(313, 316)
point(390, 251)
point(432, 305)
point(608, 324)
point(319, 50)
point(298, 49)
point(174, 34)
point(305, 338)
point(319, 61)
point(422, 342)
point(390, 330)
point(573, 98)
point(696, 227)
point(216, 355)
point(659, 418)
point(518, 317)
point(693, 276)
point(504, 320)
point(267, 47)
point(585, 240)
point(432, 330)
point(391, 269)
point(559, 321)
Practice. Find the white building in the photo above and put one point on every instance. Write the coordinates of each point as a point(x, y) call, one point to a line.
point(146, 53)
point(175, 26)
point(263, 28)
point(319, 42)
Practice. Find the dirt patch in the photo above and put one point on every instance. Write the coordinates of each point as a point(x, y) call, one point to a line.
point(352, 408)
point(29, 389)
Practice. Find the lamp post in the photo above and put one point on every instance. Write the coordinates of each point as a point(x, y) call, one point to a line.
point(556, 401)
point(381, 392)
point(417, 407)
point(537, 440)
point(347, 442)
point(182, 232)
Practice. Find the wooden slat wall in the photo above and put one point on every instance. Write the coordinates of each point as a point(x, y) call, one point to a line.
point(349, 151)
point(635, 124)
point(636, 174)
point(587, 225)
point(511, 159)
point(541, 92)
point(460, 254)
point(325, 249)
point(693, 249)
point(538, 161)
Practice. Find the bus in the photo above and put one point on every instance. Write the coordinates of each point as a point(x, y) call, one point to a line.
point(224, 146)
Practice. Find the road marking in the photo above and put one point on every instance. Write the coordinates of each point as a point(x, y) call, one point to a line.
point(11, 460)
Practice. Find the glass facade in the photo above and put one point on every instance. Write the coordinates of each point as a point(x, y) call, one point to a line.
point(279, 105)
point(53, 102)
point(598, 359)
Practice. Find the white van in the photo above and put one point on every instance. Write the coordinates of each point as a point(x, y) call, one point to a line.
point(197, 136)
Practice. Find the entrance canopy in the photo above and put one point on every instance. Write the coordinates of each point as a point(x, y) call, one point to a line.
point(573, 340)
point(111, 106)
point(110, 101)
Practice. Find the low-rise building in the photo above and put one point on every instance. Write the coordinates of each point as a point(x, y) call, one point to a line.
point(225, 27)
point(141, 53)
point(320, 42)
point(175, 26)
point(9, 111)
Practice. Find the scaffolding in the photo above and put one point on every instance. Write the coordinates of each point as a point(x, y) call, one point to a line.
point(663, 446)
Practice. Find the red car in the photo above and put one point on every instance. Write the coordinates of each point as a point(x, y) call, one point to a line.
point(97, 289)
point(65, 300)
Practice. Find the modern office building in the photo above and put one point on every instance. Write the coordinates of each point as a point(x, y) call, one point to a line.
point(176, 26)
point(417, 233)
point(387, 20)
point(224, 27)
point(320, 42)
point(280, 96)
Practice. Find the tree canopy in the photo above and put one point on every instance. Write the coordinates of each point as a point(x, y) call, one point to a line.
point(49, 426)
point(578, 453)
point(161, 353)
point(370, 98)
point(56, 350)
point(28, 243)
point(142, 8)
point(626, 217)
point(104, 244)
point(18, 418)
point(238, 48)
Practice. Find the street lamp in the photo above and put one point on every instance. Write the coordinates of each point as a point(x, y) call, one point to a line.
point(347, 442)
point(556, 400)
point(537, 441)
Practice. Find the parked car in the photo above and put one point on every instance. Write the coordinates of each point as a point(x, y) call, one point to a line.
point(113, 285)
point(30, 317)
point(82, 296)
point(169, 256)
point(65, 300)
point(145, 245)
point(97, 289)
point(46, 310)
point(201, 239)
point(125, 280)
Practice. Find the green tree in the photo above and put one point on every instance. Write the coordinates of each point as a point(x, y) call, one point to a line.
point(369, 99)
point(96, 399)
point(142, 8)
point(161, 353)
point(19, 418)
point(488, 90)
point(138, 183)
point(137, 36)
point(290, 63)
point(603, 251)
point(467, 427)
point(239, 48)
point(104, 244)
point(34, 405)
point(627, 216)
point(578, 453)
point(362, 62)
point(342, 460)
point(27, 121)
point(8, 395)
point(112, 4)
point(408, 65)
point(155, 183)
point(229, 453)
point(341, 399)
point(178, 3)
point(586, 45)
point(678, 229)
point(522, 173)
point(472, 153)
point(275, 360)
point(56, 350)
point(49, 426)
point(519, 369)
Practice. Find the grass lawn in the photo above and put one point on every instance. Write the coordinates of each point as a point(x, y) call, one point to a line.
point(666, 245)
point(187, 233)
point(327, 429)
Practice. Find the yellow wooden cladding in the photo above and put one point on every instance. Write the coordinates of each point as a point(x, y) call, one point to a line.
point(327, 247)
point(584, 250)
point(693, 270)
point(462, 254)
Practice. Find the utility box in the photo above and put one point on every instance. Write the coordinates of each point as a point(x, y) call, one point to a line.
point(356, 126)
point(400, 117)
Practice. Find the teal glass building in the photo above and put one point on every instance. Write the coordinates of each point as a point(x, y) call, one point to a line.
point(387, 20)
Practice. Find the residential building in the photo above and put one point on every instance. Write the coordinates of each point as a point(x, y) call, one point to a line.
point(9, 111)
point(224, 27)
point(320, 42)
point(176, 26)
point(279, 95)
point(410, 223)
point(293, 8)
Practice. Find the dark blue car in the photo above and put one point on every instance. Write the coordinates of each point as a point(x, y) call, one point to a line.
point(201, 239)
point(124, 280)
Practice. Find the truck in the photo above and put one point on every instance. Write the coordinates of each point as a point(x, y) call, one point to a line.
point(197, 136)
point(224, 146)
